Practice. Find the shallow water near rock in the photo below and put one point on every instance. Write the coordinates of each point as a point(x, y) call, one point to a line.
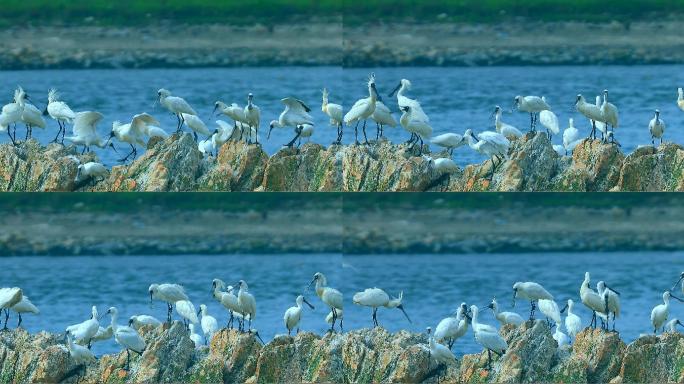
point(432, 286)
point(454, 98)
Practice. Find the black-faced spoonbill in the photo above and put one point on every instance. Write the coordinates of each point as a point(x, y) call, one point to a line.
point(660, 312)
point(680, 98)
point(571, 136)
point(609, 112)
point(492, 144)
point(550, 309)
point(573, 323)
point(560, 337)
point(330, 296)
point(656, 127)
point(59, 111)
point(85, 131)
point(441, 353)
point(532, 105)
point(133, 133)
point(681, 277)
point(31, 117)
point(294, 314)
point(84, 332)
point(505, 317)
point(92, 171)
point(600, 125)
point(9, 297)
point(208, 323)
point(168, 293)
point(339, 315)
point(103, 333)
point(362, 110)
point(452, 328)
point(590, 111)
point(335, 113)
point(196, 339)
point(671, 325)
point(196, 125)
point(227, 299)
point(295, 114)
point(234, 112)
point(187, 311)
point(127, 337)
point(382, 117)
point(442, 166)
point(376, 298)
point(80, 355)
point(488, 337)
point(549, 120)
point(137, 321)
point(247, 302)
point(252, 118)
point(175, 105)
point(593, 301)
point(12, 113)
point(611, 300)
point(530, 291)
point(509, 131)
point(24, 306)
point(420, 129)
point(449, 141)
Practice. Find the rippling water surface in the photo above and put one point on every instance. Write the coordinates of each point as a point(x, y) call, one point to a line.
point(64, 288)
point(454, 98)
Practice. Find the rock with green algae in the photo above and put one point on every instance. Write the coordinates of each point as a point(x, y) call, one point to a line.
point(29, 358)
point(232, 358)
point(653, 169)
point(599, 351)
point(654, 359)
point(595, 166)
point(310, 168)
point(238, 167)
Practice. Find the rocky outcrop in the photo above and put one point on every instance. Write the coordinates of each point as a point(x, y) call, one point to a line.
point(175, 164)
point(359, 356)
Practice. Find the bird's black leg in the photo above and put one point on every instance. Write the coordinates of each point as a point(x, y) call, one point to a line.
point(169, 309)
point(19, 323)
point(374, 316)
point(356, 133)
point(195, 135)
point(291, 143)
point(365, 138)
point(9, 133)
point(489, 359)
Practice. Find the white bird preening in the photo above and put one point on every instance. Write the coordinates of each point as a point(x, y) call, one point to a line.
point(91, 171)
point(208, 323)
point(611, 299)
point(680, 98)
point(505, 317)
point(509, 131)
point(442, 166)
point(452, 328)
point(416, 109)
point(196, 125)
point(187, 311)
point(530, 291)
point(550, 309)
point(549, 120)
point(134, 132)
point(382, 117)
point(175, 105)
point(560, 337)
point(9, 297)
point(656, 127)
point(137, 321)
point(592, 300)
point(573, 323)
point(571, 136)
point(590, 111)
point(24, 306)
point(376, 298)
point(532, 105)
point(441, 353)
point(492, 144)
point(330, 296)
point(609, 112)
point(296, 113)
point(168, 293)
point(79, 354)
point(227, 299)
point(293, 315)
point(419, 128)
point(671, 325)
point(59, 111)
point(85, 131)
point(196, 339)
point(335, 113)
point(127, 337)
point(247, 303)
point(449, 141)
point(84, 332)
point(488, 337)
point(660, 312)
point(363, 109)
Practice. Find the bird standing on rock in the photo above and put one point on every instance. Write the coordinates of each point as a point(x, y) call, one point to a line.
point(532, 105)
point(252, 118)
point(59, 111)
point(330, 296)
point(175, 105)
point(168, 293)
point(335, 113)
point(656, 127)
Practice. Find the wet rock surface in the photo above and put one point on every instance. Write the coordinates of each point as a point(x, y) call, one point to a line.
point(359, 356)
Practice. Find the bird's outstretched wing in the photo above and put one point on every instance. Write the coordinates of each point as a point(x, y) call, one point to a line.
point(296, 104)
point(85, 122)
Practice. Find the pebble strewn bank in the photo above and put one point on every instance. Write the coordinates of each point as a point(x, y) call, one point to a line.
point(175, 164)
point(362, 356)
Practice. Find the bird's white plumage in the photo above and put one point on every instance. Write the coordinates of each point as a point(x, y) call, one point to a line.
point(186, 310)
point(448, 140)
point(196, 339)
point(208, 323)
point(25, 306)
point(89, 170)
point(84, 331)
point(196, 124)
point(169, 293)
point(505, 317)
point(573, 323)
point(10, 297)
point(560, 337)
point(571, 136)
point(609, 112)
point(452, 327)
point(246, 301)
point(126, 336)
point(550, 309)
point(661, 312)
point(591, 299)
point(509, 131)
point(550, 121)
point(57, 109)
point(656, 126)
point(531, 104)
point(413, 123)
point(440, 352)
point(383, 115)
point(486, 335)
point(137, 321)
point(174, 104)
point(78, 354)
point(532, 291)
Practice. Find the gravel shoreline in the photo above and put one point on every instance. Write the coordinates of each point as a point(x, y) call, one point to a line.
point(331, 43)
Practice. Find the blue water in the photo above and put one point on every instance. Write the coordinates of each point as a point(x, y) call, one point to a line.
point(64, 288)
point(454, 98)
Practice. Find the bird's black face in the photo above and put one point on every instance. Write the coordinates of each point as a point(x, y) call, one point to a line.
point(130, 322)
point(491, 306)
point(405, 109)
point(216, 106)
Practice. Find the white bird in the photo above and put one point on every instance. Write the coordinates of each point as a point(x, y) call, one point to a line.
point(530, 291)
point(376, 298)
point(127, 337)
point(509, 131)
point(592, 300)
point(681, 277)
point(91, 171)
point(363, 109)
point(227, 299)
point(84, 332)
point(590, 111)
point(609, 112)
point(137, 321)
point(487, 337)
point(532, 105)
point(550, 309)
point(196, 339)
point(134, 132)
point(491, 144)
point(85, 131)
point(382, 117)
point(24, 306)
point(339, 316)
point(560, 337)
point(656, 127)
point(680, 98)
point(175, 105)
point(441, 353)
point(450, 141)
point(559, 149)
point(405, 101)
point(252, 117)
point(304, 130)
point(600, 125)
point(505, 317)
point(611, 299)
point(295, 114)
point(420, 129)
point(573, 323)
point(209, 324)
point(79, 354)
point(12, 113)
point(153, 131)
point(187, 311)
point(234, 112)
point(452, 328)
point(206, 147)
point(294, 314)
point(549, 120)
point(335, 113)
point(168, 293)
point(9, 297)
point(59, 111)
point(102, 334)
point(330, 296)
point(32, 117)
point(442, 166)
point(571, 136)
point(195, 124)
point(222, 134)
point(671, 325)
point(247, 302)
point(660, 312)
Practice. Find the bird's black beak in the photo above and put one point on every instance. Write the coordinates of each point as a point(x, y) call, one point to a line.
point(311, 283)
point(269, 132)
point(515, 293)
point(259, 337)
point(78, 173)
point(680, 323)
point(401, 307)
point(618, 293)
point(677, 283)
point(150, 299)
point(215, 108)
point(564, 308)
point(490, 306)
point(309, 304)
point(113, 147)
point(675, 297)
point(395, 90)
point(45, 111)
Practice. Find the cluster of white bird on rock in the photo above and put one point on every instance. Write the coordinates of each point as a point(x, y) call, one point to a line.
point(604, 303)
